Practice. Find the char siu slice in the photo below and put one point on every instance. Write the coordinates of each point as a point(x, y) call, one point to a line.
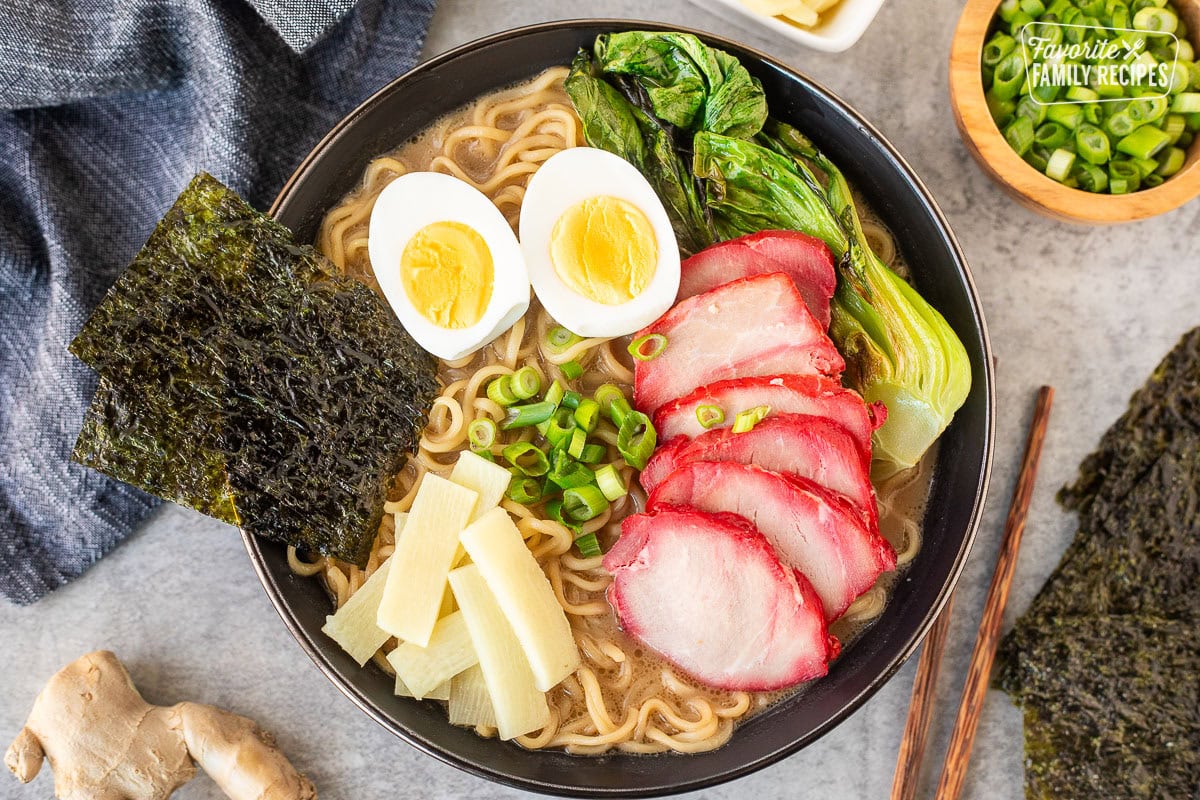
point(805, 259)
point(707, 593)
point(752, 326)
point(811, 447)
point(784, 394)
point(811, 529)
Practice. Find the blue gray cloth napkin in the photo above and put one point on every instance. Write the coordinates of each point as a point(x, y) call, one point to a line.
point(107, 110)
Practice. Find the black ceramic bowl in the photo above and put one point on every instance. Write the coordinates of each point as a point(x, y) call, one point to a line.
point(415, 100)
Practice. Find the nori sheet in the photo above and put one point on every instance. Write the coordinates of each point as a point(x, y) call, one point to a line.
point(1085, 683)
point(1106, 661)
point(242, 377)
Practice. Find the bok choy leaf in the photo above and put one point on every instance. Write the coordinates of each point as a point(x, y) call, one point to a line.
point(689, 85)
point(898, 349)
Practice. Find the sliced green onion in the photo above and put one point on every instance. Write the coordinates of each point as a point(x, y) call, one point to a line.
point(525, 383)
point(709, 416)
point(576, 443)
point(1082, 94)
point(1045, 93)
point(559, 339)
point(1147, 109)
point(1170, 163)
point(593, 453)
point(589, 545)
point(1178, 78)
point(612, 402)
point(1152, 180)
point(587, 415)
point(1031, 109)
point(1002, 111)
point(1089, 177)
point(1120, 124)
point(571, 369)
point(1009, 75)
point(1092, 144)
point(1059, 165)
point(568, 473)
point(1186, 103)
point(1174, 126)
point(1093, 114)
point(609, 481)
point(500, 391)
point(1158, 20)
point(555, 393)
point(554, 511)
point(561, 423)
point(571, 400)
point(1037, 157)
point(1034, 8)
point(527, 458)
point(1145, 166)
point(1069, 115)
point(1123, 177)
point(527, 415)
point(1145, 142)
point(746, 420)
point(997, 49)
point(1051, 136)
point(636, 439)
point(1009, 9)
point(481, 434)
point(648, 347)
point(524, 490)
point(1019, 135)
point(1184, 50)
point(582, 503)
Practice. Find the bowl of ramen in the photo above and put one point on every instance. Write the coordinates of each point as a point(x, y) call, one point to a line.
point(683, 507)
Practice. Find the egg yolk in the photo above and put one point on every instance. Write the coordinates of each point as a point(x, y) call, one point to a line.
point(604, 249)
point(447, 273)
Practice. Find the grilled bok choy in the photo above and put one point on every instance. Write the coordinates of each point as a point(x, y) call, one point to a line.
point(691, 118)
point(898, 348)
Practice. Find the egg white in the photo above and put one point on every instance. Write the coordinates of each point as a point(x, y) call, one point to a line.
point(408, 204)
point(568, 178)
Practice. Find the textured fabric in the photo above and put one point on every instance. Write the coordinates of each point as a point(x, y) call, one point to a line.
point(84, 176)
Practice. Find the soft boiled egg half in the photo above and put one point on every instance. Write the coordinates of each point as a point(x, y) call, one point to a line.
point(447, 262)
point(598, 244)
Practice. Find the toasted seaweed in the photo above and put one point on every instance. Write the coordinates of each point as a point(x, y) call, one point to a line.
point(1111, 706)
point(241, 376)
point(1106, 661)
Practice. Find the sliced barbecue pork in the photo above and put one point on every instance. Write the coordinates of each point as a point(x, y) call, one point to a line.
point(707, 593)
point(811, 529)
point(784, 394)
point(816, 448)
point(752, 326)
point(805, 259)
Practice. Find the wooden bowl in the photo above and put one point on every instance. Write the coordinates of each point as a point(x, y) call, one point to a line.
point(1029, 186)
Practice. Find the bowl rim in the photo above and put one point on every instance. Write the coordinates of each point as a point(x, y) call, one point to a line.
point(314, 649)
point(980, 134)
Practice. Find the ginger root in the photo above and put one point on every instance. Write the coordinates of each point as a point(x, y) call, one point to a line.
point(104, 742)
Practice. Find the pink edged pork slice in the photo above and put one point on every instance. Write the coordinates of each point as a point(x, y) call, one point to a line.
point(805, 259)
point(784, 394)
point(811, 529)
point(811, 447)
point(707, 593)
point(752, 326)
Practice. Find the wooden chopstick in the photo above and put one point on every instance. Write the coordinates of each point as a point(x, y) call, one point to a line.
point(965, 724)
point(920, 709)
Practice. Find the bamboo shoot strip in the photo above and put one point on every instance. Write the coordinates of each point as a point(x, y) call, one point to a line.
point(449, 652)
point(424, 555)
point(354, 626)
point(520, 707)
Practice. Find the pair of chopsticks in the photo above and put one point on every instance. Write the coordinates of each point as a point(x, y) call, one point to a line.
point(916, 728)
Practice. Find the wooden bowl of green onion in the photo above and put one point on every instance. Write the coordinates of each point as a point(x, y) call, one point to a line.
point(1083, 110)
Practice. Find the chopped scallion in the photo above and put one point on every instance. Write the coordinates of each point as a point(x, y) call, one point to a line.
point(589, 546)
point(500, 392)
point(527, 458)
point(481, 434)
point(582, 503)
point(610, 483)
point(527, 415)
point(648, 347)
point(559, 339)
point(572, 370)
point(525, 383)
point(709, 416)
point(746, 420)
point(636, 439)
point(587, 415)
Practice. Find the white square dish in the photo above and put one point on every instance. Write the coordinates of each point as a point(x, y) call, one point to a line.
point(838, 29)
